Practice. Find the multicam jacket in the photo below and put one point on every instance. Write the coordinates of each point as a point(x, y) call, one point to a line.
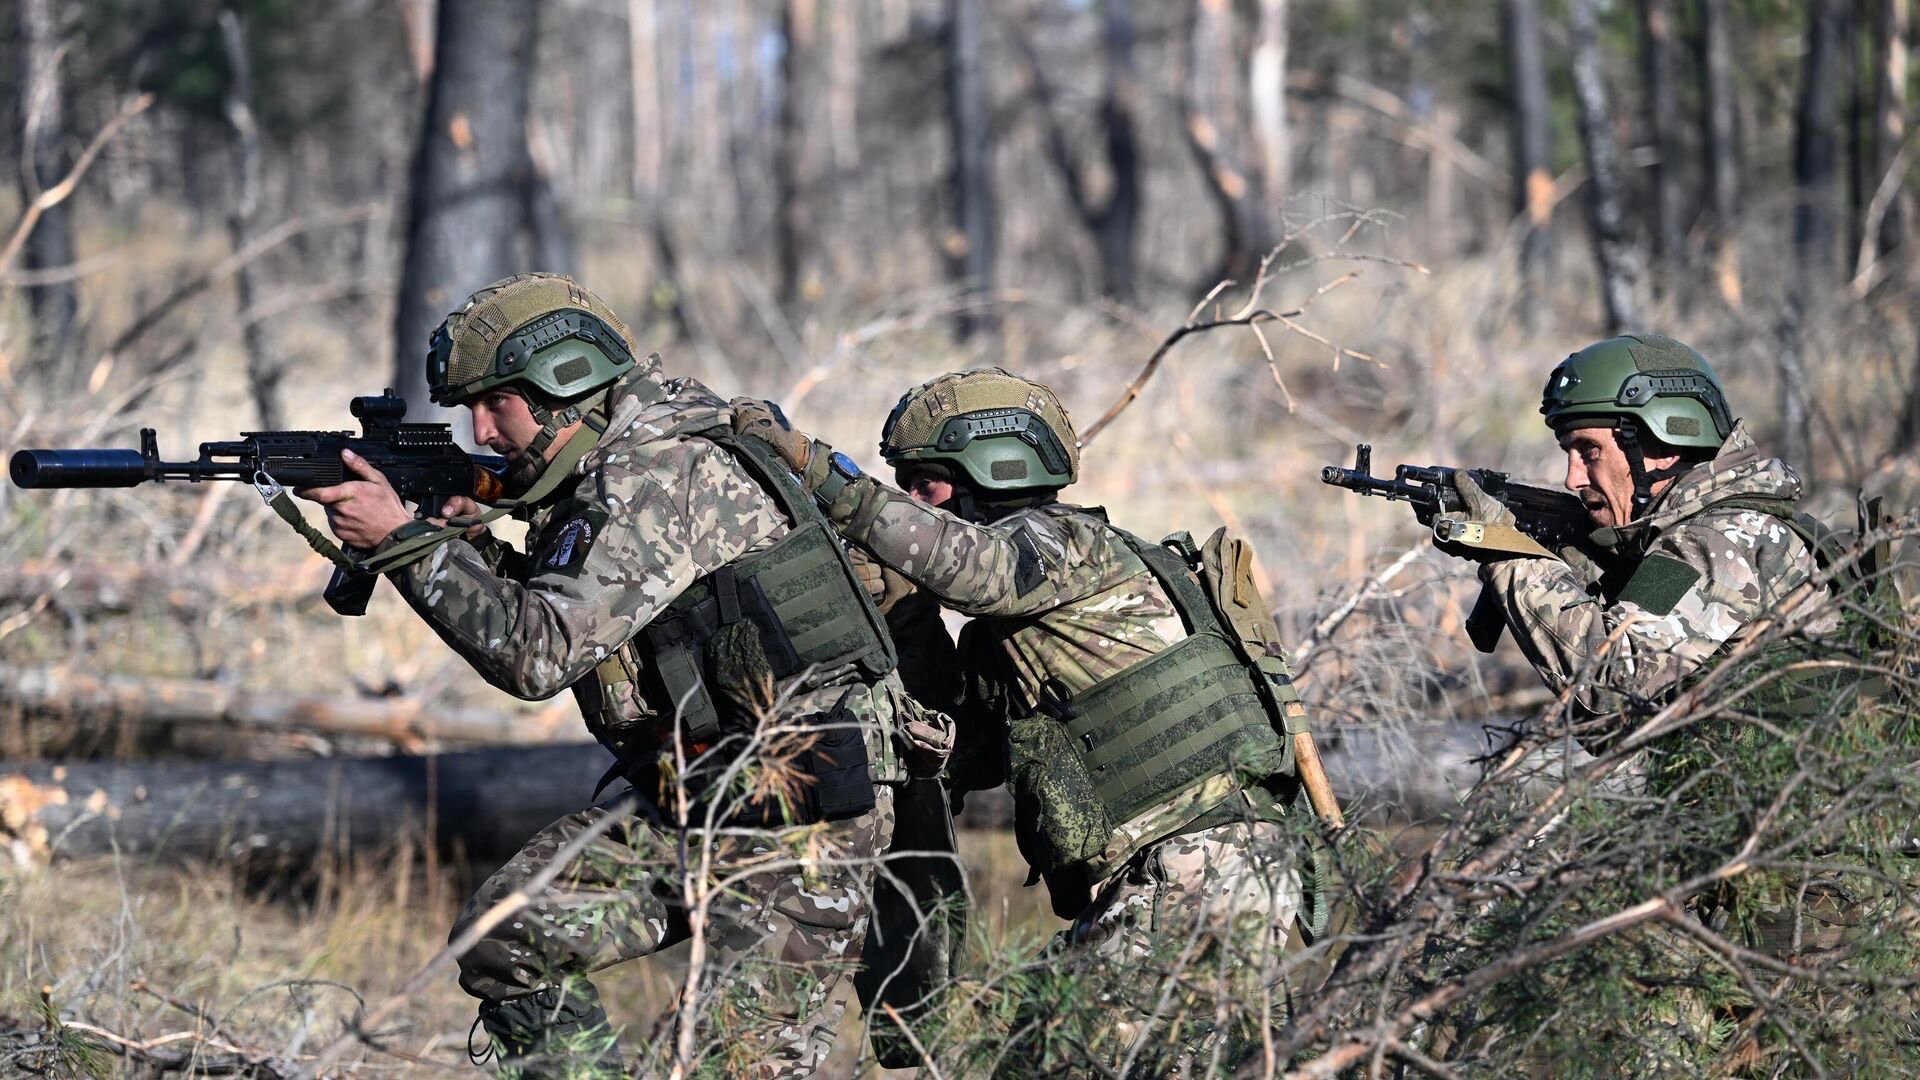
point(1740, 561)
point(653, 509)
point(1069, 599)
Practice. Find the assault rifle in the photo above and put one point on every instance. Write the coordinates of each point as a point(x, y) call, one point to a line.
point(421, 461)
point(1546, 520)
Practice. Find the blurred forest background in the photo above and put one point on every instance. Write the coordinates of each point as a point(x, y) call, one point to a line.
point(227, 216)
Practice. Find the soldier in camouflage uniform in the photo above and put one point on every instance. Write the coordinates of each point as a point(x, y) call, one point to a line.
point(718, 644)
point(1148, 782)
point(1698, 536)
point(1698, 533)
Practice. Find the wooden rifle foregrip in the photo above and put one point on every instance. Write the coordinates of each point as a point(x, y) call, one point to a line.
point(1313, 776)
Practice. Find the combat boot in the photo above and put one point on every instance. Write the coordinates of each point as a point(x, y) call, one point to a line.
point(560, 1033)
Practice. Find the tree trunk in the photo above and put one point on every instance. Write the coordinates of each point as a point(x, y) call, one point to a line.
point(793, 191)
point(1717, 116)
point(488, 802)
point(1118, 222)
point(1663, 107)
point(1816, 146)
point(1814, 190)
point(485, 803)
point(1890, 27)
point(42, 119)
point(1114, 221)
point(973, 241)
point(1216, 134)
point(264, 368)
point(1267, 85)
point(643, 31)
point(1611, 251)
point(843, 87)
point(1532, 132)
point(466, 202)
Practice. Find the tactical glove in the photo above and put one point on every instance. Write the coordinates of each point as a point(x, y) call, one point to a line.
point(764, 421)
point(1481, 507)
point(926, 739)
point(883, 583)
point(1485, 531)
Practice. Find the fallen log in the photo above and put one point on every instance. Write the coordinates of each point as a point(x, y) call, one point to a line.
point(482, 802)
point(408, 722)
point(105, 588)
point(487, 802)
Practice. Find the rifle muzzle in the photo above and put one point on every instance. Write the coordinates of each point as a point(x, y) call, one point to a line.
point(77, 468)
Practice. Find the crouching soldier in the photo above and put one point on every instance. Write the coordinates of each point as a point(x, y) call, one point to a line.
point(718, 642)
point(1145, 743)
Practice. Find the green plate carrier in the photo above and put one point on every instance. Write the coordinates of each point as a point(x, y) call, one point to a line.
point(762, 619)
point(1198, 709)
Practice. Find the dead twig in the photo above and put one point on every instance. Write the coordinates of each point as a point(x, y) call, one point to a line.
point(1250, 314)
point(59, 192)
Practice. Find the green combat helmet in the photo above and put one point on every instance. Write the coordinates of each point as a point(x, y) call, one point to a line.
point(1645, 387)
point(542, 335)
point(1001, 434)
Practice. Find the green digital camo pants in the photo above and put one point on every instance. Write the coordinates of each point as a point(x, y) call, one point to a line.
point(778, 938)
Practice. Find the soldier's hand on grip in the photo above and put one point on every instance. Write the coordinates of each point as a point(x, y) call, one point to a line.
point(1485, 530)
point(361, 511)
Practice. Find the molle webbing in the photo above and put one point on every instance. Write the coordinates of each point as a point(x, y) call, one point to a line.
point(1187, 712)
point(813, 575)
point(799, 580)
point(801, 595)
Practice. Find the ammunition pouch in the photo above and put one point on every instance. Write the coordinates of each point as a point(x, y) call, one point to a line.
point(826, 755)
point(715, 675)
point(1084, 767)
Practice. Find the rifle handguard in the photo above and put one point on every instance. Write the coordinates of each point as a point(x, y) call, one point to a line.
point(1494, 540)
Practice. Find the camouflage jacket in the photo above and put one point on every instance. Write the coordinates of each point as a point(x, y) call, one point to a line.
point(1061, 595)
point(1067, 597)
point(653, 508)
point(1742, 562)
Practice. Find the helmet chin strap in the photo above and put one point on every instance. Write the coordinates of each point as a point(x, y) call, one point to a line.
point(1627, 434)
point(533, 461)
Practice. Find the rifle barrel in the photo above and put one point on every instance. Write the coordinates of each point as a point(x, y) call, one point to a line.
point(77, 468)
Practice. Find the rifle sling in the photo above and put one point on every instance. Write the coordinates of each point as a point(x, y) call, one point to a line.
point(283, 504)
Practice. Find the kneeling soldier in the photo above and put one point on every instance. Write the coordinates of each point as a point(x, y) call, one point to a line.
point(718, 643)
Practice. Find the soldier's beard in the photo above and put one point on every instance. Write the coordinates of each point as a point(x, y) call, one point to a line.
point(523, 468)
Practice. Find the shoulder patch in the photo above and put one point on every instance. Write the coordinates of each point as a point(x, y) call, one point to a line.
point(565, 551)
point(1028, 570)
point(1658, 583)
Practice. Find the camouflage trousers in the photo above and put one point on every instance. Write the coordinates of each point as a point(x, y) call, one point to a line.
point(1182, 949)
point(776, 942)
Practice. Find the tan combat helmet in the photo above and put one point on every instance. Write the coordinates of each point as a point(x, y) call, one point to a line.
point(543, 335)
point(995, 430)
point(542, 332)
